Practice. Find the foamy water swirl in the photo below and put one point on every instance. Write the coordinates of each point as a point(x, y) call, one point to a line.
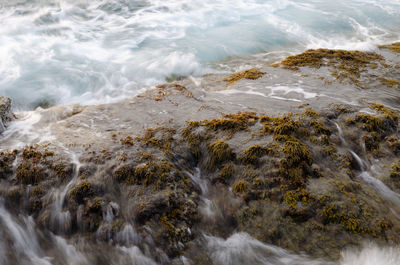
point(98, 51)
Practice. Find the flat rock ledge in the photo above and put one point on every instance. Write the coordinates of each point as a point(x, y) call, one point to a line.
point(304, 157)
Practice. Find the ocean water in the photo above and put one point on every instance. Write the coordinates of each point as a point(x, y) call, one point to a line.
point(99, 51)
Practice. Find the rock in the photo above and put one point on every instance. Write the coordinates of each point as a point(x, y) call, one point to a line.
point(2, 128)
point(178, 162)
point(5, 114)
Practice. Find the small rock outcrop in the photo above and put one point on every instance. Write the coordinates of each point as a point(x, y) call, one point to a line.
point(5, 113)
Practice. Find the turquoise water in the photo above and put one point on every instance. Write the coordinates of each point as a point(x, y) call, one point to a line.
point(97, 51)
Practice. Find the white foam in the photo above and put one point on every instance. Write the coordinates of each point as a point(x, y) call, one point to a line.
point(276, 92)
point(21, 132)
point(23, 237)
point(93, 52)
point(371, 254)
point(71, 254)
point(241, 248)
point(128, 236)
point(286, 90)
point(136, 257)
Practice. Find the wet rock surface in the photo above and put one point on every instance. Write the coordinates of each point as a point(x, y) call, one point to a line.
point(5, 113)
point(305, 159)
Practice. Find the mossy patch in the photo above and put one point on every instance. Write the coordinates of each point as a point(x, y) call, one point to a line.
point(390, 82)
point(394, 144)
point(226, 173)
point(381, 124)
point(253, 73)
point(252, 154)
point(219, 152)
point(293, 197)
point(82, 190)
point(320, 128)
point(160, 138)
point(395, 174)
point(346, 65)
point(311, 113)
point(349, 220)
point(296, 152)
point(372, 142)
point(391, 115)
point(123, 172)
point(394, 47)
point(240, 186)
point(232, 122)
point(300, 204)
point(6, 160)
point(127, 141)
point(321, 57)
point(281, 127)
point(151, 173)
point(28, 173)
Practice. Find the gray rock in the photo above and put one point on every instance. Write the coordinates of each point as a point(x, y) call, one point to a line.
point(2, 128)
point(5, 112)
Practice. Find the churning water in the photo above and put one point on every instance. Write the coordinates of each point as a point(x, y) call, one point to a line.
point(98, 51)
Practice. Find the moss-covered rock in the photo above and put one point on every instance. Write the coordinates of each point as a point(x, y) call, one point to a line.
point(219, 152)
point(252, 73)
point(394, 47)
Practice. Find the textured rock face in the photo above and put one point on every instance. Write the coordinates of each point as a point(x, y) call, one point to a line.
point(285, 158)
point(5, 115)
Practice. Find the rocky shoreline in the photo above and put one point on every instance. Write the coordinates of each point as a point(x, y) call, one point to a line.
point(303, 155)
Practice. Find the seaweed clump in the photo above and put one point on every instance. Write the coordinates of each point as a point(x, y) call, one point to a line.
point(395, 171)
point(219, 152)
point(252, 74)
point(240, 186)
point(82, 190)
point(395, 174)
point(382, 124)
point(162, 142)
point(225, 174)
point(296, 152)
point(29, 174)
point(29, 171)
point(253, 153)
point(232, 122)
point(390, 82)
point(6, 160)
point(349, 60)
point(151, 173)
point(394, 47)
point(346, 64)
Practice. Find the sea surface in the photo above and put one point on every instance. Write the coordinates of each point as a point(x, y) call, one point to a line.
point(99, 51)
